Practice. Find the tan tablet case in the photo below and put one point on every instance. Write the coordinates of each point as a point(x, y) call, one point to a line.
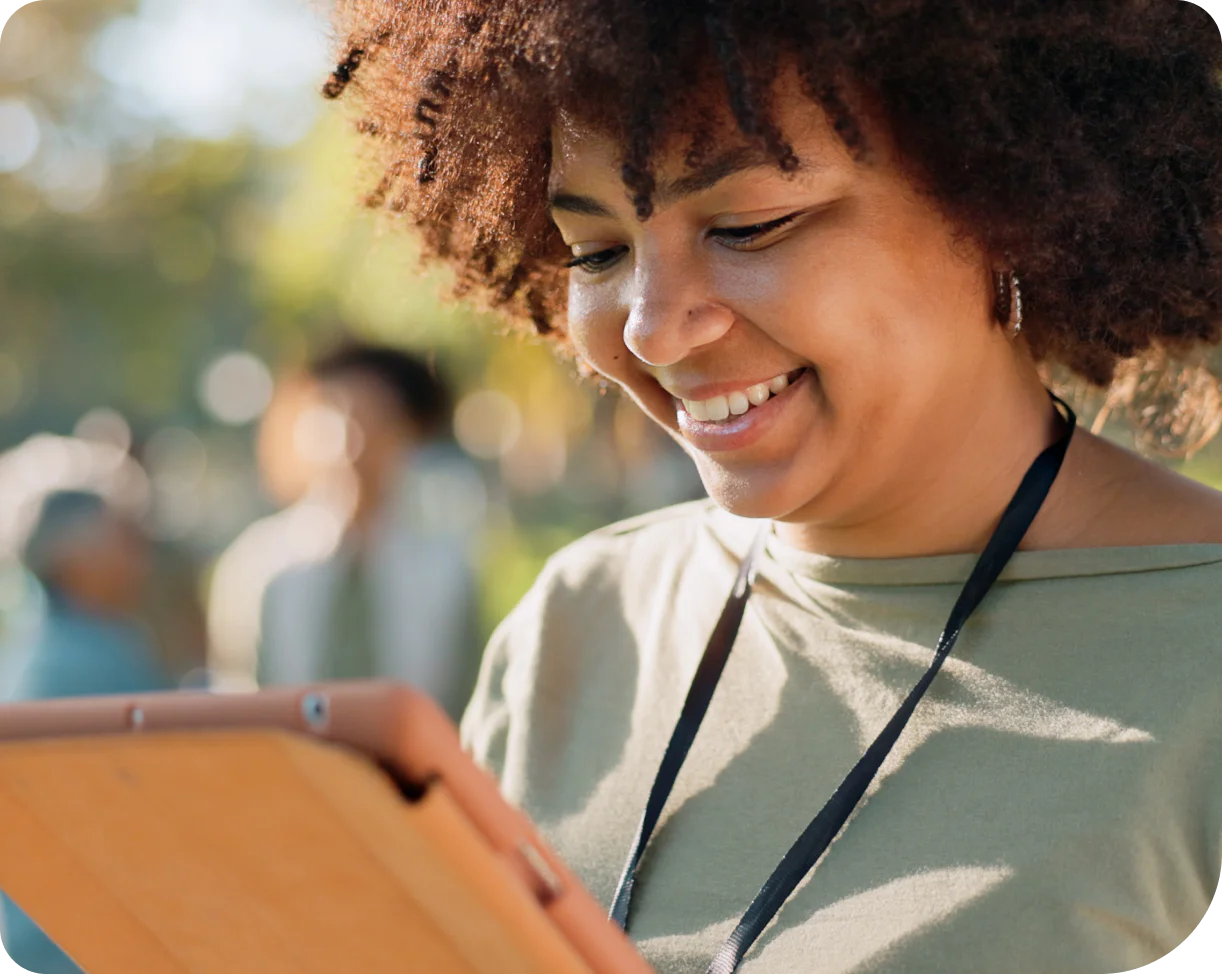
point(217, 834)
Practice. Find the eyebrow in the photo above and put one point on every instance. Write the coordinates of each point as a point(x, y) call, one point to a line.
point(701, 178)
point(709, 174)
point(582, 205)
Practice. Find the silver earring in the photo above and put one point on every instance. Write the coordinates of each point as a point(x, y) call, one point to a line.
point(1016, 306)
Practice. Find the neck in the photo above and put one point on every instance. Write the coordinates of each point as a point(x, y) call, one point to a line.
point(953, 487)
point(377, 486)
point(365, 512)
point(86, 602)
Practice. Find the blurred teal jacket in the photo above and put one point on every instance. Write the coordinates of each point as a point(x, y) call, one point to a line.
point(72, 654)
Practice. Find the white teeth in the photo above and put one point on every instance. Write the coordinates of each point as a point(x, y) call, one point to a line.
point(696, 410)
point(757, 395)
point(720, 408)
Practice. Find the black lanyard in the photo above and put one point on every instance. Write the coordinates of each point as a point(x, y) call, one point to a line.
point(817, 836)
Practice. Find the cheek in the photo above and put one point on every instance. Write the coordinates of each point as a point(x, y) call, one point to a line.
point(820, 305)
point(596, 327)
point(883, 321)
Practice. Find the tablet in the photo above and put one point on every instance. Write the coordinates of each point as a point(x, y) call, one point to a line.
point(332, 827)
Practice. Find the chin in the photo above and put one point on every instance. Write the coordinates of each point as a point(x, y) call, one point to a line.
point(762, 494)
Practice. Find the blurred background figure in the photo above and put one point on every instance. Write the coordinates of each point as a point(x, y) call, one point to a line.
point(92, 564)
point(39, 480)
point(297, 445)
point(369, 573)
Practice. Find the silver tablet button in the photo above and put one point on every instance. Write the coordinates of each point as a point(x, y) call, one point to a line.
point(316, 710)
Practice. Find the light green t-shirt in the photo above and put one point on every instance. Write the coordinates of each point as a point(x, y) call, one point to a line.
point(1054, 807)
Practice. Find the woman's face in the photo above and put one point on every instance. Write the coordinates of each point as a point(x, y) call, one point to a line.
point(839, 285)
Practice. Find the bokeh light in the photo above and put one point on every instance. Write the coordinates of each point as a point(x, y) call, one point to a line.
point(176, 460)
point(236, 388)
point(320, 435)
point(219, 69)
point(19, 134)
point(72, 173)
point(487, 424)
point(45, 462)
point(104, 425)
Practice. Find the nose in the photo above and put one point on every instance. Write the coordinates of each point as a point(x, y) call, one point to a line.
point(672, 313)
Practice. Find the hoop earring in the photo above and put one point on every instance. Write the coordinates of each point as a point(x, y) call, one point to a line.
point(1010, 302)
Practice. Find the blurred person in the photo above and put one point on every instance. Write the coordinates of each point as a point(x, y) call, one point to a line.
point(368, 574)
point(92, 563)
point(312, 508)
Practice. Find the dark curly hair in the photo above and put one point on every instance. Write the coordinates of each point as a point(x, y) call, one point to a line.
point(420, 393)
point(1079, 141)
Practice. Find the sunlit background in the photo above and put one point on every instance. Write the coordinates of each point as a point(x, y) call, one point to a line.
point(180, 230)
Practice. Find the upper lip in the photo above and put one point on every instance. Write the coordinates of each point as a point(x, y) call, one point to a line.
point(707, 390)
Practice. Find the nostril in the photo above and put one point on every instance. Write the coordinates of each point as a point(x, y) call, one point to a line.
point(663, 333)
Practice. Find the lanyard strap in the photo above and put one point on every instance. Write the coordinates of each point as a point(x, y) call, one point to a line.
point(698, 696)
point(825, 826)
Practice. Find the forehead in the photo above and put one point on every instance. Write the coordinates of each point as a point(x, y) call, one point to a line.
point(359, 392)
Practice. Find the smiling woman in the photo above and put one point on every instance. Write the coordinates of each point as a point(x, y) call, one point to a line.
point(746, 276)
point(830, 247)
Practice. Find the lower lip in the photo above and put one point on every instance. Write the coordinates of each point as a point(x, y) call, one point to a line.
point(738, 432)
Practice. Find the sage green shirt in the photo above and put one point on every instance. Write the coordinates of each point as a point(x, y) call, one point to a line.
point(1054, 807)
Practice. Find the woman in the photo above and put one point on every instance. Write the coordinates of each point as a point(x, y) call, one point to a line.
point(830, 247)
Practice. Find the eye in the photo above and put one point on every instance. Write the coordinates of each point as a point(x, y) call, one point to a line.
point(598, 261)
point(736, 236)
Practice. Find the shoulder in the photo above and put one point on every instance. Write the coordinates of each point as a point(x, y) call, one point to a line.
point(289, 542)
point(1122, 499)
point(662, 524)
point(583, 621)
point(77, 656)
point(604, 592)
point(631, 561)
point(637, 549)
point(290, 581)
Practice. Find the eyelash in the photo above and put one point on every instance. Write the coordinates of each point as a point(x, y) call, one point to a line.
point(602, 259)
point(595, 262)
point(747, 234)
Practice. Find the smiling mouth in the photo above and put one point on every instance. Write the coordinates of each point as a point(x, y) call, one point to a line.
point(720, 409)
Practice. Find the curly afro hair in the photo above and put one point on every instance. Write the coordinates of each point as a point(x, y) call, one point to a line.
point(1077, 141)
